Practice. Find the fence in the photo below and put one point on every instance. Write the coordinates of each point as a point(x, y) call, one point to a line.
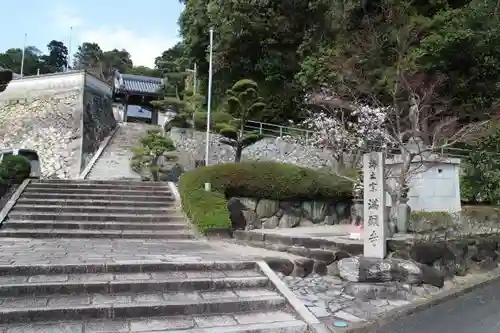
point(272, 130)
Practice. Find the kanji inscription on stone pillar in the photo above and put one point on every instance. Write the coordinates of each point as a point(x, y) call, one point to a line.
point(374, 228)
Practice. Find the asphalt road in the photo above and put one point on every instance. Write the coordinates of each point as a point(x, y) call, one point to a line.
point(476, 312)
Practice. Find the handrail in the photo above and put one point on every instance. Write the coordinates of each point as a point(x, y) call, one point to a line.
point(273, 130)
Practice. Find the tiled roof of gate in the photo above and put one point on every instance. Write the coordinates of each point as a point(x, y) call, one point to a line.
point(141, 84)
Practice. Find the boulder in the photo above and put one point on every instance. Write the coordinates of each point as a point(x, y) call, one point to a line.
point(270, 223)
point(250, 203)
point(283, 266)
point(333, 269)
point(370, 291)
point(315, 210)
point(361, 269)
point(236, 209)
point(289, 221)
point(252, 220)
point(266, 208)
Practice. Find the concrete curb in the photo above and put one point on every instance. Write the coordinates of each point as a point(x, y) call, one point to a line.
point(175, 192)
point(312, 322)
point(13, 199)
point(425, 304)
point(97, 154)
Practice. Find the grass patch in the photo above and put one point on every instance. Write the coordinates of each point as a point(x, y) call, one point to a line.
point(263, 180)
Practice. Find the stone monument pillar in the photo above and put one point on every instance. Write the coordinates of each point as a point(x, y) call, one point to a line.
point(374, 231)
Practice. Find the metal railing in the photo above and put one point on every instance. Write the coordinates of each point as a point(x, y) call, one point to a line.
point(273, 130)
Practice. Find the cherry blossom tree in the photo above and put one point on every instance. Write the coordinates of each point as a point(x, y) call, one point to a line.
point(347, 131)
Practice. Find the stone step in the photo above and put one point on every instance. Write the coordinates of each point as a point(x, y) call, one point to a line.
point(139, 266)
point(67, 233)
point(106, 217)
point(147, 282)
point(98, 182)
point(129, 305)
point(245, 322)
point(90, 190)
point(99, 196)
point(85, 225)
point(91, 202)
point(119, 209)
point(136, 186)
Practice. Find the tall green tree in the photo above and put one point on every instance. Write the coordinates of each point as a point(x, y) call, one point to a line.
point(56, 59)
point(258, 40)
point(12, 59)
point(117, 60)
point(89, 56)
point(243, 102)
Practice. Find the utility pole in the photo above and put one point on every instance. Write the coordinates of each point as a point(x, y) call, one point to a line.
point(22, 57)
point(68, 60)
point(195, 84)
point(209, 102)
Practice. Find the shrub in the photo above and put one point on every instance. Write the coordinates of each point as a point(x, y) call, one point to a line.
point(481, 213)
point(147, 155)
point(179, 120)
point(216, 118)
point(420, 221)
point(261, 180)
point(14, 169)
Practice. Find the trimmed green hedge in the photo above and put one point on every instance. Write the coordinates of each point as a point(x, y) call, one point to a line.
point(14, 169)
point(200, 119)
point(261, 180)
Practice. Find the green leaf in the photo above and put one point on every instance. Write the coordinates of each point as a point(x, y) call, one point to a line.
point(250, 139)
point(229, 132)
point(229, 142)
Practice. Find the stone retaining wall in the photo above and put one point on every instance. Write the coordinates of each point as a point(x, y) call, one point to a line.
point(453, 257)
point(63, 117)
point(191, 144)
point(270, 214)
point(98, 122)
point(48, 124)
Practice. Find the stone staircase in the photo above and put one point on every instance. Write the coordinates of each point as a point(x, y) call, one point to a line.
point(114, 162)
point(200, 297)
point(90, 209)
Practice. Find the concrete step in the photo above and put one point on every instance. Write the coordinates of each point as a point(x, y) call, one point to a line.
point(85, 225)
point(68, 233)
point(90, 190)
point(139, 266)
point(98, 182)
point(103, 186)
point(245, 322)
point(147, 282)
point(98, 196)
point(119, 209)
point(90, 202)
point(106, 217)
point(127, 305)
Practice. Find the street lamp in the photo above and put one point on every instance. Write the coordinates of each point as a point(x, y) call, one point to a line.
point(209, 101)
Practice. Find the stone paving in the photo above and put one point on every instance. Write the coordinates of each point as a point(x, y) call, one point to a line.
point(332, 297)
point(26, 251)
point(158, 324)
point(114, 163)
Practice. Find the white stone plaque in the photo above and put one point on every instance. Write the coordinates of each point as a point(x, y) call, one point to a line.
point(374, 237)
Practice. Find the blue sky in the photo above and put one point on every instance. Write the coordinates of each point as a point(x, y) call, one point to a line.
point(145, 28)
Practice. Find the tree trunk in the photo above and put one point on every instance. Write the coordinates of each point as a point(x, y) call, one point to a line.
point(238, 153)
point(155, 170)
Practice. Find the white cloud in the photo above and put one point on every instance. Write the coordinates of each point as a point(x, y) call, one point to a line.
point(66, 17)
point(143, 49)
